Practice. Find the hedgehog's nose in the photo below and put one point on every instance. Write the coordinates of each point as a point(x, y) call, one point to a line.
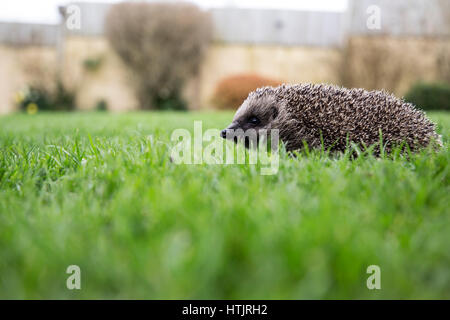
point(223, 134)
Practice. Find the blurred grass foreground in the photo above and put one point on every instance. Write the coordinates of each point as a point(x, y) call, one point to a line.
point(98, 190)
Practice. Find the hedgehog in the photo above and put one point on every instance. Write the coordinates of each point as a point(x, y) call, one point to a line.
point(333, 117)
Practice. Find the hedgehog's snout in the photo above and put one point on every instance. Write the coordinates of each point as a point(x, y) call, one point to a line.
point(224, 133)
point(233, 126)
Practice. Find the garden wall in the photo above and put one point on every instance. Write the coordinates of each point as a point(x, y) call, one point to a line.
point(110, 82)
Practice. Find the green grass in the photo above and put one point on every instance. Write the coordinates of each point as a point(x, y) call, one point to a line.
point(98, 190)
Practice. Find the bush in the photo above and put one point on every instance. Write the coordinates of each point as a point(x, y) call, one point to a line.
point(430, 96)
point(443, 64)
point(162, 45)
point(232, 91)
point(102, 105)
point(392, 63)
point(92, 64)
point(35, 97)
point(372, 63)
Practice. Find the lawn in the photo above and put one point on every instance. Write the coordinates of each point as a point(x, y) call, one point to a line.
point(98, 190)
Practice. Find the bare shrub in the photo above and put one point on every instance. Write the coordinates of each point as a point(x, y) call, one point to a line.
point(44, 87)
point(443, 64)
point(371, 64)
point(443, 58)
point(393, 63)
point(162, 45)
point(39, 69)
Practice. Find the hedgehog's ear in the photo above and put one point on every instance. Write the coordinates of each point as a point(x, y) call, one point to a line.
point(274, 112)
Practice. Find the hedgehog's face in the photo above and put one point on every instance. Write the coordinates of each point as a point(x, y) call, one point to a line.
point(253, 117)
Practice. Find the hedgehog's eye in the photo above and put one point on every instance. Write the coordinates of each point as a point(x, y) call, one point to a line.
point(253, 120)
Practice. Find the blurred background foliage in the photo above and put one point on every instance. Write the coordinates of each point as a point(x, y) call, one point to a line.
point(35, 98)
point(162, 45)
point(233, 90)
point(177, 56)
point(430, 96)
